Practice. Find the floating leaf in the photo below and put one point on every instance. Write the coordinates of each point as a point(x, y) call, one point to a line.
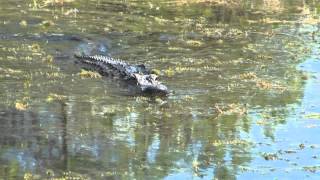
point(220, 41)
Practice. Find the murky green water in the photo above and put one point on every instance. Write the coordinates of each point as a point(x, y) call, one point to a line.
point(244, 79)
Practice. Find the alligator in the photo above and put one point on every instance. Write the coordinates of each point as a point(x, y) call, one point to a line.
point(139, 75)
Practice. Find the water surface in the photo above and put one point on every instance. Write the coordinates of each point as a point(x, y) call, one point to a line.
point(244, 79)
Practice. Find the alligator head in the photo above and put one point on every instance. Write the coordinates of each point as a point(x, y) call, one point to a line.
point(150, 85)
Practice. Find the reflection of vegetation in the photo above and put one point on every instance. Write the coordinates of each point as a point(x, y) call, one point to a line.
point(313, 116)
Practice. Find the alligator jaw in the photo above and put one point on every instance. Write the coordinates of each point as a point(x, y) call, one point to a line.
point(161, 90)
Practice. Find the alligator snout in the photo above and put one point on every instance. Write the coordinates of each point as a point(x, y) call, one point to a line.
point(160, 89)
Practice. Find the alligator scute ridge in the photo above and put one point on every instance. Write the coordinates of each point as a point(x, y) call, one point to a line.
point(145, 81)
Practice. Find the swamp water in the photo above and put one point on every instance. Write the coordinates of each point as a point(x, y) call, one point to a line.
point(244, 78)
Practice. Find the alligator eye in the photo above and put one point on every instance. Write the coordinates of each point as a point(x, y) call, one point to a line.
point(149, 78)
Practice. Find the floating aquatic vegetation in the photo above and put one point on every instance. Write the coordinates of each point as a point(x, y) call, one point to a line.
point(65, 176)
point(23, 23)
point(233, 62)
point(227, 3)
point(265, 57)
point(155, 71)
point(221, 33)
point(270, 156)
point(213, 32)
point(9, 71)
point(21, 106)
point(230, 109)
point(142, 99)
point(160, 101)
point(35, 48)
point(49, 75)
point(263, 84)
point(290, 151)
point(196, 168)
point(194, 43)
point(73, 175)
point(169, 72)
point(253, 48)
point(47, 23)
point(248, 75)
point(160, 20)
point(181, 69)
point(188, 98)
point(30, 176)
point(89, 74)
point(73, 12)
point(11, 58)
point(219, 41)
point(262, 122)
point(269, 20)
point(312, 116)
point(312, 169)
point(44, 3)
point(55, 97)
point(48, 59)
point(230, 142)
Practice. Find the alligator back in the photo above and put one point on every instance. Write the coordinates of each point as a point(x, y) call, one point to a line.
point(105, 63)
